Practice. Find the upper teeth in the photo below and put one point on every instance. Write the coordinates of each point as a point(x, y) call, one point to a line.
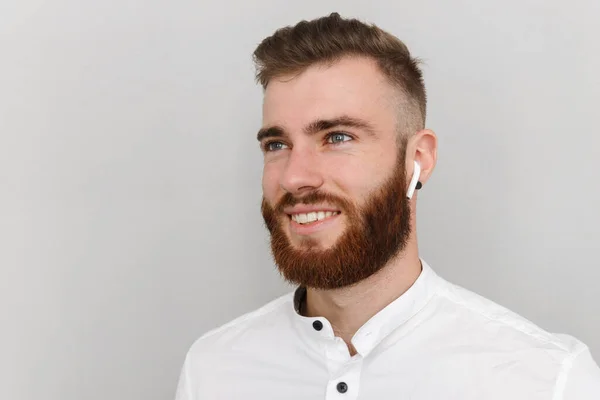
point(312, 216)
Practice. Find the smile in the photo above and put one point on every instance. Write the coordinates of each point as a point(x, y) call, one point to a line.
point(307, 218)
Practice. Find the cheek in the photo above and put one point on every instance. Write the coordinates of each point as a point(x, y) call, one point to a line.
point(357, 180)
point(270, 182)
point(354, 185)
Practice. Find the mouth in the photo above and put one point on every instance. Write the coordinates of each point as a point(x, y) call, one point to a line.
point(312, 217)
point(312, 223)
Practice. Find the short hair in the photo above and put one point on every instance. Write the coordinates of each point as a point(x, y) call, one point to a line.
point(325, 40)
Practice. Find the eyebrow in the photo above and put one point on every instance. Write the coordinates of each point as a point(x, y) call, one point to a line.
point(318, 126)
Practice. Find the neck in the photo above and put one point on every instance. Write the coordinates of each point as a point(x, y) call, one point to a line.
point(349, 308)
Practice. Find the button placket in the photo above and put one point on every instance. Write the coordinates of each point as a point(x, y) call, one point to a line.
point(344, 385)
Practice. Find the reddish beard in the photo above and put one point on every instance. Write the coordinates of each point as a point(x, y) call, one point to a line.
point(374, 234)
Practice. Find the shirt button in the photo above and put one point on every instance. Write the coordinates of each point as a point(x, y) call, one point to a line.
point(342, 387)
point(318, 325)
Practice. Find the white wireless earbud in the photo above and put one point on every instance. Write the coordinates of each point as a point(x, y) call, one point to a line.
point(414, 181)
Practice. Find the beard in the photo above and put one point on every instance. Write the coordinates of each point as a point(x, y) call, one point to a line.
point(375, 233)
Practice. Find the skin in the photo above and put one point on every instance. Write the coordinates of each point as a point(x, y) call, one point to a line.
point(351, 164)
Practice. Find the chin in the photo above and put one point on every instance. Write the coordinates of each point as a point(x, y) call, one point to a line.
point(316, 242)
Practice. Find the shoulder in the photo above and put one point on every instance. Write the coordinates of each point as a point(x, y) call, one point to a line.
point(490, 318)
point(230, 350)
point(516, 344)
point(267, 320)
point(579, 378)
point(509, 352)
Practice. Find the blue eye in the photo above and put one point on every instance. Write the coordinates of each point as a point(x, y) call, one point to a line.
point(335, 138)
point(274, 146)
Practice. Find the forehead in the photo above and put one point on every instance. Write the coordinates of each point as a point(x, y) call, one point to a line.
point(351, 86)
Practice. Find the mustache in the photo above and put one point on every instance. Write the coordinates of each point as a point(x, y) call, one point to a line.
point(314, 197)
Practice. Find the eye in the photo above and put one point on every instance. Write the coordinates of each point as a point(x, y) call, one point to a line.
point(338, 137)
point(274, 146)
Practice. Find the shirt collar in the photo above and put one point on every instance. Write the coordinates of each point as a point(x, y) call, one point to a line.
point(381, 324)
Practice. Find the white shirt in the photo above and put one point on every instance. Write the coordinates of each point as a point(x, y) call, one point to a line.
point(437, 341)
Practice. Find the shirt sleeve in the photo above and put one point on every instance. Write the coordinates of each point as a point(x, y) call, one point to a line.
point(581, 378)
point(184, 391)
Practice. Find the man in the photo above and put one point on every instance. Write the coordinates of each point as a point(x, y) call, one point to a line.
point(345, 148)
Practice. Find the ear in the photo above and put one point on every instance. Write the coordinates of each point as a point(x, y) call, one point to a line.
point(421, 148)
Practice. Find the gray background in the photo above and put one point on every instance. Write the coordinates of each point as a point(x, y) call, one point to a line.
point(130, 174)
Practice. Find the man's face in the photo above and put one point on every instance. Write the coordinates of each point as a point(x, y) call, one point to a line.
point(334, 179)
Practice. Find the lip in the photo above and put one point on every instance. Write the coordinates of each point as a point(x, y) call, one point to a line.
point(313, 227)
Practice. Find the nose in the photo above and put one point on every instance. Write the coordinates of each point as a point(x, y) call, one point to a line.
point(302, 172)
